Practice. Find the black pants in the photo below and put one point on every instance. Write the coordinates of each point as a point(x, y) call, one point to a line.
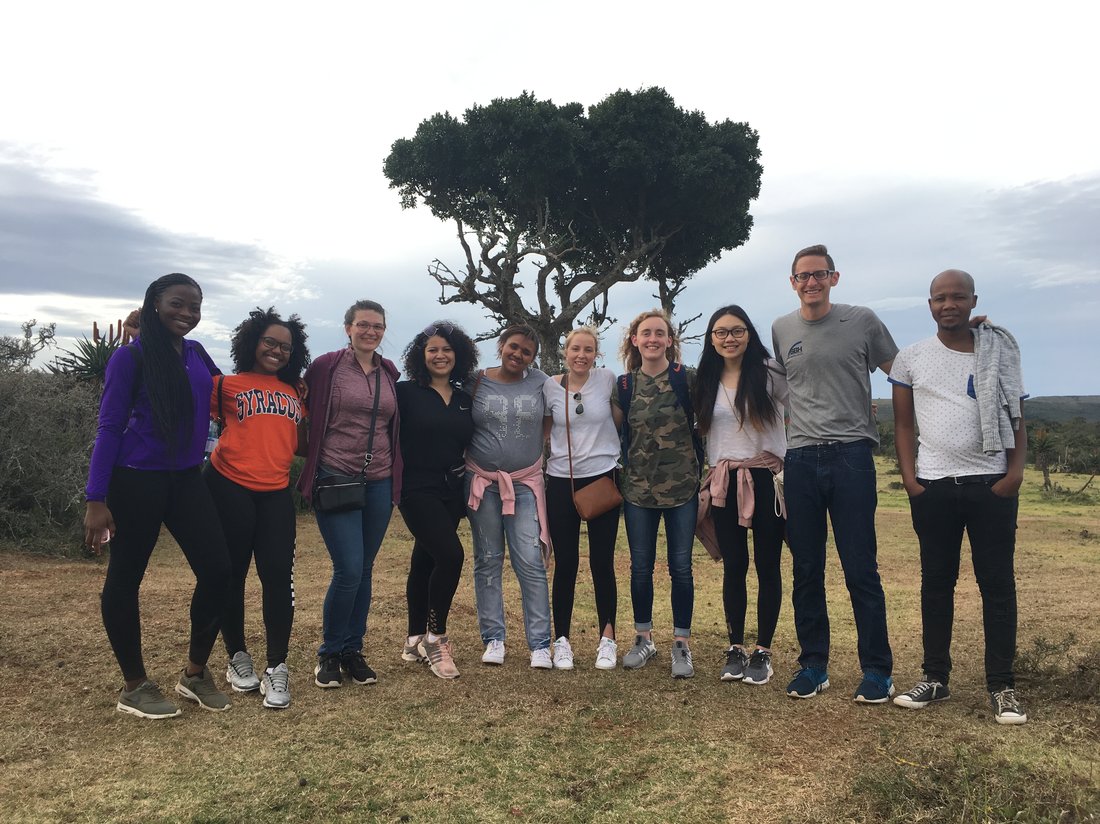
point(767, 552)
point(437, 556)
point(940, 514)
point(260, 524)
point(140, 501)
point(565, 534)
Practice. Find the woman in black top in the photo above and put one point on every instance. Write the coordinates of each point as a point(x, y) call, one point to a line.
point(436, 427)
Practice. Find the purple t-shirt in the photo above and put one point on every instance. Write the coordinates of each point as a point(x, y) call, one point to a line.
point(127, 434)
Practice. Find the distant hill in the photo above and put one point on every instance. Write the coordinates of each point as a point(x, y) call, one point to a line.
point(1053, 409)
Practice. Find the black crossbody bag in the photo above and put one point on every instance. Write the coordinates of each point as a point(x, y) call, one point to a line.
point(344, 493)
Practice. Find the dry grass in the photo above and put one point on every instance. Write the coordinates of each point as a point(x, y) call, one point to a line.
point(512, 744)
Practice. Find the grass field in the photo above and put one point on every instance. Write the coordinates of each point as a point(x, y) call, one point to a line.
point(512, 744)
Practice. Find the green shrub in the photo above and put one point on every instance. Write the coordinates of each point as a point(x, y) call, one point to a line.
point(49, 424)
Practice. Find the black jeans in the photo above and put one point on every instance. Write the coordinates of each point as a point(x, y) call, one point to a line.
point(767, 551)
point(260, 524)
point(940, 514)
point(565, 535)
point(140, 501)
point(437, 557)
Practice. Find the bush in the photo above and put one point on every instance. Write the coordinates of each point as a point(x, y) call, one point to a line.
point(45, 445)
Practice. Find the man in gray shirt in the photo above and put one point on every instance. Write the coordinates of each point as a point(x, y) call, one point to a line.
point(829, 351)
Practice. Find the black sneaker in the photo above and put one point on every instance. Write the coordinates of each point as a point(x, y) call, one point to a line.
point(923, 694)
point(736, 661)
point(327, 673)
point(355, 665)
point(1006, 707)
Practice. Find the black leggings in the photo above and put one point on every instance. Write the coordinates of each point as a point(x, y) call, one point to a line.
point(261, 524)
point(140, 501)
point(767, 546)
point(565, 534)
point(437, 556)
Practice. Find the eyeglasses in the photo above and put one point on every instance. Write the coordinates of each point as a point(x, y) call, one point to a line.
point(364, 326)
point(580, 406)
point(820, 274)
point(271, 343)
point(437, 328)
point(722, 333)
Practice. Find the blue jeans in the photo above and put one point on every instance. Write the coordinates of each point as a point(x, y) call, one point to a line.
point(490, 528)
point(641, 533)
point(837, 480)
point(352, 539)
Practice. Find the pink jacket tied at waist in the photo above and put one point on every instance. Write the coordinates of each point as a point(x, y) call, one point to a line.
point(714, 491)
point(531, 477)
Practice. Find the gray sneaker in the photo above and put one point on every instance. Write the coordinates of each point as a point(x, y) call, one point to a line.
point(240, 674)
point(681, 661)
point(639, 654)
point(759, 670)
point(275, 688)
point(146, 701)
point(736, 661)
point(200, 689)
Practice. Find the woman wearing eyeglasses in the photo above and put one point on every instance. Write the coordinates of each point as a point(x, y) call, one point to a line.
point(739, 397)
point(249, 480)
point(436, 427)
point(592, 439)
point(353, 431)
point(660, 480)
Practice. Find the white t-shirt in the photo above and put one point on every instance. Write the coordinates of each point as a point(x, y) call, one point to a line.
point(950, 439)
point(728, 439)
point(593, 434)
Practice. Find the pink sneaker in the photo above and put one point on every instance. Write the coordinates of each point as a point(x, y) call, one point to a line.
point(439, 656)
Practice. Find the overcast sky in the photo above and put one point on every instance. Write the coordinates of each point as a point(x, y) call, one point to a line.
point(243, 143)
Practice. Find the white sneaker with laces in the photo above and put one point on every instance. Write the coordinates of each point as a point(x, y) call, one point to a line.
point(241, 674)
point(563, 654)
point(540, 659)
point(607, 654)
point(494, 653)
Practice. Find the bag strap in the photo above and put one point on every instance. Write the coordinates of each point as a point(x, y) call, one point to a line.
point(568, 438)
point(373, 418)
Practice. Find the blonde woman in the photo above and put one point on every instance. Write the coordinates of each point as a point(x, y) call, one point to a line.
point(583, 393)
point(662, 458)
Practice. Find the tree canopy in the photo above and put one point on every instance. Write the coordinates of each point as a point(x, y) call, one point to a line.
point(557, 205)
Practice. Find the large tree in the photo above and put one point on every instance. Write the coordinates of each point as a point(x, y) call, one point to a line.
point(553, 206)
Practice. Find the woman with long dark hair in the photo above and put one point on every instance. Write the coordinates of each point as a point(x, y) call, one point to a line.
point(436, 427)
point(249, 479)
point(740, 392)
point(507, 500)
point(145, 471)
point(353, 432)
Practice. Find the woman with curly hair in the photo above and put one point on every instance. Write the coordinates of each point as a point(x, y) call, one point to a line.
point(249, 479)
point(739, 397)
point(145, 472)
point(662, 459)
point(436, 427)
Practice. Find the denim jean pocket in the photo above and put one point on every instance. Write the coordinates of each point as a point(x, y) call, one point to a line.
point(857, 457)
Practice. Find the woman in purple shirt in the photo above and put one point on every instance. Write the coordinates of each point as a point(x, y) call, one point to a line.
point(153, 421)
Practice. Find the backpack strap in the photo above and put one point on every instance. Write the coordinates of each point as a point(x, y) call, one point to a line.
point(677, 377)
point(625, 388)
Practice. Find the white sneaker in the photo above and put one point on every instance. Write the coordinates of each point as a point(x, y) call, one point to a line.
point(540, 659)
point(240, 673)
point(494, 653)
point(607, 654)
point(563, 654)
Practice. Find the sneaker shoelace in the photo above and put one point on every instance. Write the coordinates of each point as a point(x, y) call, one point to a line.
point(243, 668)
point(280, 679)
point(1006, 701)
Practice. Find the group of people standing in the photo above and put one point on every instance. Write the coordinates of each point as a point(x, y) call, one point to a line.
point(510, 448)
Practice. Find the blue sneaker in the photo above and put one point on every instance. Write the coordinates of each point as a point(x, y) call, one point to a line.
point(874, 688)
point(808, 682)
